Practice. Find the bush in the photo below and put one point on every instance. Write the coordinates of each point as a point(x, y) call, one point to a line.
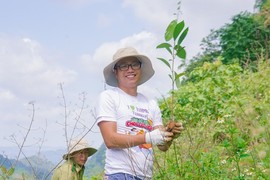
point(225, 112)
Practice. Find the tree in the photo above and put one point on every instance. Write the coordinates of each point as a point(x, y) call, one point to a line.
point(211, 50)
point(243, 40)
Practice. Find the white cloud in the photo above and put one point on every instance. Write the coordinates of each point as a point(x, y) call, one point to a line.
point(20, 55)
point(155, 12)
point(26, 75)
point(24, 68)
point(6, 95)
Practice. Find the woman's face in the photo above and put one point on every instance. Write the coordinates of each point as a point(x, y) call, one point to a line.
point(81, 157)
point(128, 72)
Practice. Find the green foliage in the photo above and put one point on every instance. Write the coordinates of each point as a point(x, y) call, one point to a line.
point(6, 173)
point(95, 165)
point(204, 97)
point(226, 115)
point(261, 3)
point(244, 39)
point(174, 36)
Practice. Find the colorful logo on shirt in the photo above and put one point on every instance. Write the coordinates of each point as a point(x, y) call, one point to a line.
point(140, 118)
point(140, 122)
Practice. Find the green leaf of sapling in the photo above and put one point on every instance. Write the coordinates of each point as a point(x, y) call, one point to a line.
point(181, 53)
point(182, 36)
point(178, 28)
point(167, 46)
point(165, 62)
point(170, 30)
point(10, 171)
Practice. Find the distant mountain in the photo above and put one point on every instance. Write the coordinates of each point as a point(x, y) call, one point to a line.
point(95, 164)
point(55, 156)
point(34, 167)
point(40, 166)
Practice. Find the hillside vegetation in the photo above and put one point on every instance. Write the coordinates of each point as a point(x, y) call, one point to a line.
point(226, 114)
point(224, 103)
point(32, 168)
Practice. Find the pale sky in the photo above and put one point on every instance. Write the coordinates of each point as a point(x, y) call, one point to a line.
point(47, 42)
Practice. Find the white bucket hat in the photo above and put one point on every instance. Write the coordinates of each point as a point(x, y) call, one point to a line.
point(147, 70)
point(76, 145)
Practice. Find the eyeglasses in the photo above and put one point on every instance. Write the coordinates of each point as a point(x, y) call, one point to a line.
point(124, 67)
point(81, 153)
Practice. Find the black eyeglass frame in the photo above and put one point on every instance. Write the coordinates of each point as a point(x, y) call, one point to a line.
point(124, 67)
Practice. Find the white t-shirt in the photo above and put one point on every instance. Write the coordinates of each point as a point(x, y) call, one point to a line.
point(134, 115)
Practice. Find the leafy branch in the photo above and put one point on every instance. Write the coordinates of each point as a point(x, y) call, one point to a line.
point(175, 33)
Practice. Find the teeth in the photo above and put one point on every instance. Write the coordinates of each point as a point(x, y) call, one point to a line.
point(131, 76)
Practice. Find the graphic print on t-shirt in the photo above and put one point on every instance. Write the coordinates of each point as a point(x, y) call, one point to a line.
point(141, 122)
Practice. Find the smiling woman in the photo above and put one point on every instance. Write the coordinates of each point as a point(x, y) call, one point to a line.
point(73, 167)
point(128, 77)
point(129, 122)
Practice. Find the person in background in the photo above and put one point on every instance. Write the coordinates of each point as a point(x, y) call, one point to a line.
point(129, 122)
point(75, 159)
